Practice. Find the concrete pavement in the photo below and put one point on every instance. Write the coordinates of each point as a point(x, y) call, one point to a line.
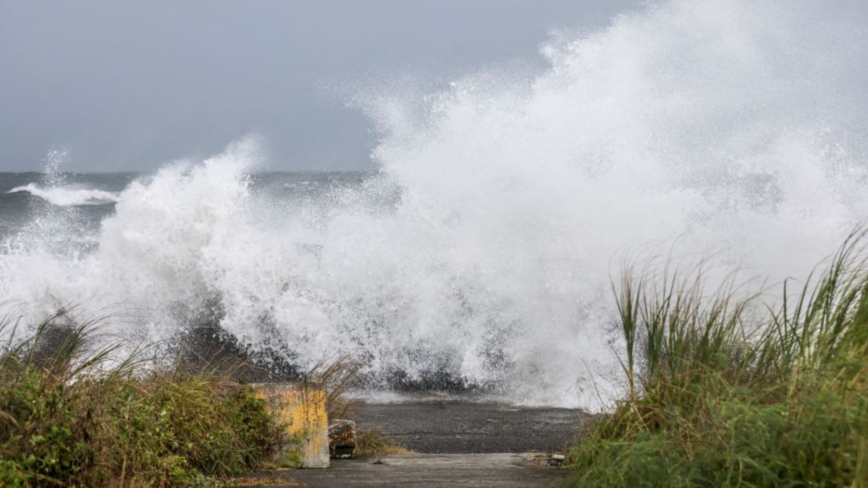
point(423, 471)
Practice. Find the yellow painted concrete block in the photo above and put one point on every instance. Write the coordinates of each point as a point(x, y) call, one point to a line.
point(302, 408)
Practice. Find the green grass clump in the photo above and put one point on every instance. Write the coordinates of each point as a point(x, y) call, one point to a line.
point(70, 417)
point(726, 392)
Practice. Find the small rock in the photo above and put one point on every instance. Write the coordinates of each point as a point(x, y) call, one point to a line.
point(557, 459)
point(342, 438)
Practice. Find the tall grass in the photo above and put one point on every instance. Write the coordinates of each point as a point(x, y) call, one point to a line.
point(337, 378)
point(69, 416)
point(727, 391)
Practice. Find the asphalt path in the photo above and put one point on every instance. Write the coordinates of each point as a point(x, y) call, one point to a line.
point(457, 427)
point(456, 443)
point(421, 471)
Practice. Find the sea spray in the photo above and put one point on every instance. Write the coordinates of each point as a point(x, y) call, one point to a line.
point(484, 246)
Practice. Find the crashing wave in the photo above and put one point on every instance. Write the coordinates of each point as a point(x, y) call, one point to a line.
point(728, 125)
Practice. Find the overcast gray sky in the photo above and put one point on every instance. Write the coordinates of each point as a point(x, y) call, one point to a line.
point(129, 85)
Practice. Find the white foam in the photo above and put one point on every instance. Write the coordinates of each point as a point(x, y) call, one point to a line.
point(67, 196)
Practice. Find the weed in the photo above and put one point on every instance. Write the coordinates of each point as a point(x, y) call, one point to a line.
point(373, 442)
point(337, 378)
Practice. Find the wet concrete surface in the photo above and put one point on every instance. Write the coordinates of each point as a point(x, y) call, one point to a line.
point(456, 444)
point(449, 426)
point(424, 471)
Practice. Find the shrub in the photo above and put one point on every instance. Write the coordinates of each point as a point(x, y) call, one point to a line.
point(69, 418)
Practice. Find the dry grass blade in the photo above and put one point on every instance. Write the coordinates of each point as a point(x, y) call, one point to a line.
point(373, 442)
point(337, 377)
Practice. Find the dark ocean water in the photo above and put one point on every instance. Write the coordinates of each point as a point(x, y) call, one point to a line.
point(84, 200)
point(20, 207)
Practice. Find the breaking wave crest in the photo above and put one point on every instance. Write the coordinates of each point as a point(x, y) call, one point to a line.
point(68, 196)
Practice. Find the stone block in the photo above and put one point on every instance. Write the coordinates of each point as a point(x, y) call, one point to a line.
point(342, 438)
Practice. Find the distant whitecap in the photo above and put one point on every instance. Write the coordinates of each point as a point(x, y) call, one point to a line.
point(65, 196)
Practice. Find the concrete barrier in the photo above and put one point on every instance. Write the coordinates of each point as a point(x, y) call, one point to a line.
point(301, 407)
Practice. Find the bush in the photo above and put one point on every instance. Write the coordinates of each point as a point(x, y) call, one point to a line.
point(720, 395)
point(67, 418)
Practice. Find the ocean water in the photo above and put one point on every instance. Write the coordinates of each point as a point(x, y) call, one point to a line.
point(67, 209)
point(485, 242)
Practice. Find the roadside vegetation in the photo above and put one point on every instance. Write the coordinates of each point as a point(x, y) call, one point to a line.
point(727, 391)
point(374, 443)
point(70, 416)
